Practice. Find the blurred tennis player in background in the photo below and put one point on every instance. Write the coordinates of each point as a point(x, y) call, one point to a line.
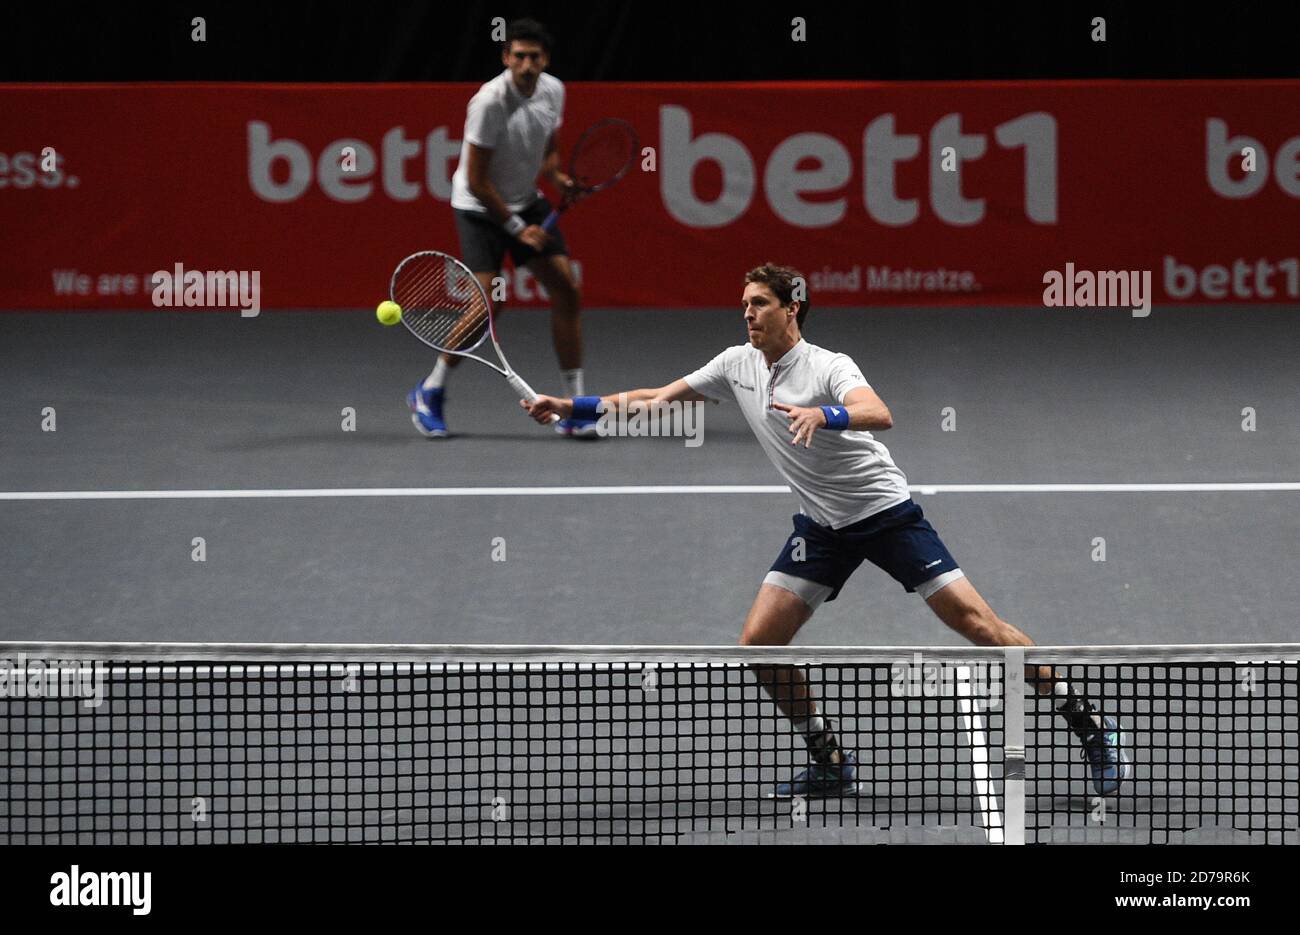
point(813, 412)
point(509, 140)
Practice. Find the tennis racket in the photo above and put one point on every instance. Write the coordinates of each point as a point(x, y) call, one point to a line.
point(444, 305)
point(603, 155)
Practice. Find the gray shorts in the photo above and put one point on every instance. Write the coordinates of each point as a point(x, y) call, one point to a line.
point(484, 242)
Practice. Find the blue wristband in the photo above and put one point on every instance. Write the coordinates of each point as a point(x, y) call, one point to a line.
point(837, 417)
point(584, 408)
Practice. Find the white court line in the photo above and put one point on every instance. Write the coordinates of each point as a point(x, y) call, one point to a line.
point(665, 489)
point(380, 492)
point(975, 727)
point(1104, 488)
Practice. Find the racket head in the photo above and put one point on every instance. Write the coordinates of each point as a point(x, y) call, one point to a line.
point(604, 153)
point(443, 303)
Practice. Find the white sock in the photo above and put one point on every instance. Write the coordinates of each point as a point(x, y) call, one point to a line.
point(819, 734)
point(438, 377)
point(572, 382)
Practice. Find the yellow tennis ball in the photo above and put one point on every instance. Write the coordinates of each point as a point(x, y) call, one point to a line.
point(389, 312)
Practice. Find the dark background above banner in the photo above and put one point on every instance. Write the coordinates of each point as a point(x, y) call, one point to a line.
point(342, 40)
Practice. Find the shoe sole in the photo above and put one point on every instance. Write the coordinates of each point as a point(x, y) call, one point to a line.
point(427, 433)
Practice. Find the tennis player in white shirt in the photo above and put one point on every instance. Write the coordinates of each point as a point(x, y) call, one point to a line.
point(813, 412)
point(509, 140)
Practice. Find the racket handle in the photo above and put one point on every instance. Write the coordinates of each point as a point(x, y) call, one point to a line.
point(551, 220)
point(520, 386)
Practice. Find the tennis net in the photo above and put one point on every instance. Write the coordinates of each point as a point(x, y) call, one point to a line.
point(221, 743)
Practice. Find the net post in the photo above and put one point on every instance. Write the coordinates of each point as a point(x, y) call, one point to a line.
point(1013, 746)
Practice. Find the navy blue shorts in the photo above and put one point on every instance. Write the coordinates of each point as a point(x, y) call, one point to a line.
point(484, 243)
point(899, 541)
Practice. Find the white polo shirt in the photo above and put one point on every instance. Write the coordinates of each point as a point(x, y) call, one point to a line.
point(516, 129)
point(845, 476)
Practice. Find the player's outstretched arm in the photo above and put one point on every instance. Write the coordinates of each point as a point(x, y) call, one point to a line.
point(862, 409)
point(543, 406)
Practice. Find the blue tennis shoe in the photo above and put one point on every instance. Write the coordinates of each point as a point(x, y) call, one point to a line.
point(1106, 750)
point(823, 780)
point(577, 428)
point(426, 412)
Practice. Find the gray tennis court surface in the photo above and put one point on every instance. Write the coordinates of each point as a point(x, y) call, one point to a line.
point(212, 402)
point(175, 429)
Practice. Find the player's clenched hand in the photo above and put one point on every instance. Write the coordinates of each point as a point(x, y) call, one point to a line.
point(566, 185)
point(543, 407)
point(534, 236)
point(804, 421)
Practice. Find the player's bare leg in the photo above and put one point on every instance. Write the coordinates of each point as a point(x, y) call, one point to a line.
point(774, 618)
point(555, 274)
point(487, 281)
point(962, 608)
point(426, 400)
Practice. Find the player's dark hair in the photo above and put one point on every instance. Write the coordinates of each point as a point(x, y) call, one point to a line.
point(782, 280)
point(528, 30)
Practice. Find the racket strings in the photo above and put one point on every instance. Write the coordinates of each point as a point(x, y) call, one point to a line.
point(439, 305)
point(603, 155)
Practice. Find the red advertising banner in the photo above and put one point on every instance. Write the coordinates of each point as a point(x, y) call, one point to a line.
point(882, 194)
